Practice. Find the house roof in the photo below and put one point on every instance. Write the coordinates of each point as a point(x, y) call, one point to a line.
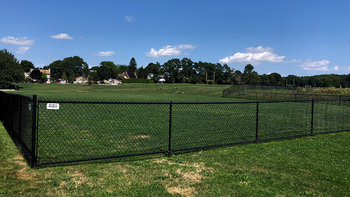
point(132, 75)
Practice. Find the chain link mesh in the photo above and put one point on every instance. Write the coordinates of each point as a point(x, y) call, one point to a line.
point(81, 130)
point(16, 116)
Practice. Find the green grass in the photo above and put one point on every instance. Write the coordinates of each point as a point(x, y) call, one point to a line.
point(310, 166)
point(83, 131)
point(126, 91)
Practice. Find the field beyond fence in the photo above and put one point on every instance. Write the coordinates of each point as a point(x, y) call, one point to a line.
point(51, 131)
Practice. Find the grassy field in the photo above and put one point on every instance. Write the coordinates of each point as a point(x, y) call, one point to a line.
point(126, 91)
point(83, 131)
point(311, 166)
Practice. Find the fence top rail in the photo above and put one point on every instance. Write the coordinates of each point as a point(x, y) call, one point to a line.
point(342, 95)
point(145, 102)
point(17, 95)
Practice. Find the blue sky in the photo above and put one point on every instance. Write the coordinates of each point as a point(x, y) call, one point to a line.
point(303, 38)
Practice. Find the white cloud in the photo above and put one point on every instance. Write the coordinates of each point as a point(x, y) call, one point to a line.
point(18, 41)
point(318, 65)
point(63, 36)
point(105, 53)
point(23, 41)
point(291, 61)
point(170, 50)
point(254, 55)
point(345, 68)
point(259, 49)
point(129, 18)
point(308, 63)
point(186, 46)
point(22, 49)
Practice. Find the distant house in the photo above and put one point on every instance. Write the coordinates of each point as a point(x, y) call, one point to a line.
point(128, 75)
point(81, 80)
point(150, 76)
point(46, 71)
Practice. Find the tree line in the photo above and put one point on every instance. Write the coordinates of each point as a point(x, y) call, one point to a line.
point(173, 71)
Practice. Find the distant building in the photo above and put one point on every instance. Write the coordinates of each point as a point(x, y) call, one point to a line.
point(46, 71)
point(80, 80)
point(128, 75)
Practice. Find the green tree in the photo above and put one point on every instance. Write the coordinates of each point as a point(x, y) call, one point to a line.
point(44, 77)
point(122, 68)
point(107, 70)
point(276, 79)
point(141, 73)
point(26, 65)
point(72, 66)
point(36, 74)
point(247, 73)
point(56, 70)
point(132, 65)
point(237, 76)
point(93, 73)
point(64, 76)
point(10, 69)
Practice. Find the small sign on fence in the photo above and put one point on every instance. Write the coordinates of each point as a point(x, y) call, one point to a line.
point(52, 106)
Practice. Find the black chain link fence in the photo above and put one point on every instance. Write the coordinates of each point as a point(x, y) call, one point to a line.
point(16, 115)
point(283, 96)
point(81, 130)
point(241, 88)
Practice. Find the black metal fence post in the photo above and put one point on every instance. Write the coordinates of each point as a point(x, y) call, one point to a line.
point(20, 119)
point(170, 120)
point(33, 160)
point(257, 121)
point(312, 117)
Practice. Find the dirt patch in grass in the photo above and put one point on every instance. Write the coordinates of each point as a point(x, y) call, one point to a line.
point(192, 177)
point(79, 178)
point(189, 175)
point(19, 160)
point(188, 192)
point(24, 175)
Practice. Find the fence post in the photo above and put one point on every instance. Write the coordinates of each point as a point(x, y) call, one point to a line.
point(257, 122)
point(33, 160)
point(312, 117)
point(170, 120)
point(20, 119)
point(339, 100)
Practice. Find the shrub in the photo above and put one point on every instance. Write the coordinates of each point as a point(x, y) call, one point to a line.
point(138, 80)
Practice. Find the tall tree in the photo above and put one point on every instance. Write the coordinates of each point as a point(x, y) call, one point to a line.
point(44, 77)
point(248, 69)
point(36, 74)
point(10, 69)
point(72, 66)
point(132, 65)
point(122, 68)
point(276, 79)
point(107, 70)
point(26, 65)
point(237, 75)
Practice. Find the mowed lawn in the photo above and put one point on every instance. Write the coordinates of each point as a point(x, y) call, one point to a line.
point(310, 166)
point(144, 91)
